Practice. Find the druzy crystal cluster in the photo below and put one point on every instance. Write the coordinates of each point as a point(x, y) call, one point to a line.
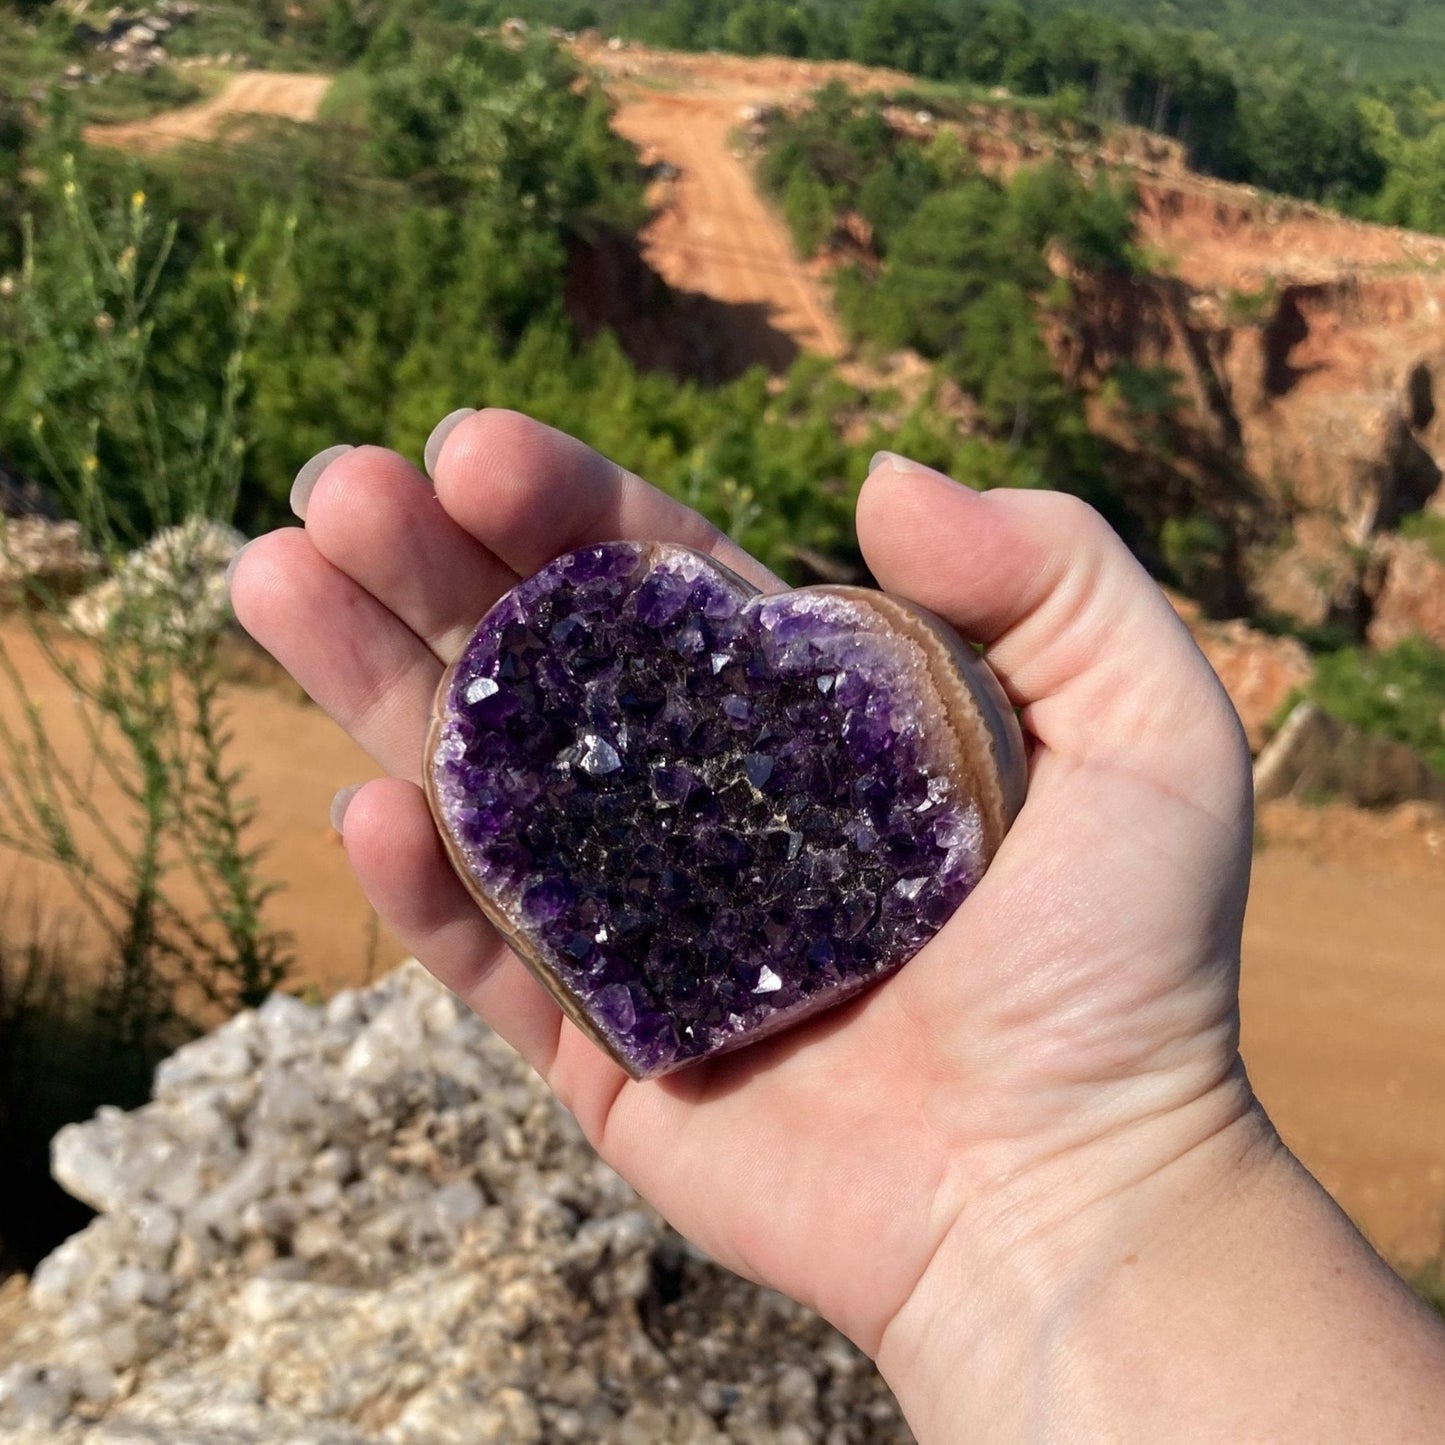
point(701, 813)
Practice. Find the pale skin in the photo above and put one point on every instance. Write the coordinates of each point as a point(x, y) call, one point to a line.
point(1027, 1174)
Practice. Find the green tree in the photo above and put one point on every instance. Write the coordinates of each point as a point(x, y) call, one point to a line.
point(944, 259)
point(808, 212)
point(912, 35)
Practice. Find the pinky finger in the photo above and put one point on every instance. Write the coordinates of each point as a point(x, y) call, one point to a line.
point(405, 874)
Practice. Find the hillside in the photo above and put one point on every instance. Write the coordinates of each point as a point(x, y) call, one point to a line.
point(1301, 348)
point(1374, 40)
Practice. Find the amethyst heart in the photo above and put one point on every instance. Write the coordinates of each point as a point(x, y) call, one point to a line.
point(700, 813)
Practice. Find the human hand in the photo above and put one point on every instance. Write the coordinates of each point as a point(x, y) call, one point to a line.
point(985, 1118)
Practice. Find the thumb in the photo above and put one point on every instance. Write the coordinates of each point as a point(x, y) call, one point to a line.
point(1079, 634)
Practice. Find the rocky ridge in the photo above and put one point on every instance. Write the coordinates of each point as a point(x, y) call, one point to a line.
point(1304, 351)
point(369, 1222)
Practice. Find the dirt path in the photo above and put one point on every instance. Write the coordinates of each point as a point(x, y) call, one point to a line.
point(257, 92)
point(712, 231)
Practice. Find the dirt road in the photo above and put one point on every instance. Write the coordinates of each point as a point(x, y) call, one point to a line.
point(1344, 1009)
point(257, 92)
point(712, 232)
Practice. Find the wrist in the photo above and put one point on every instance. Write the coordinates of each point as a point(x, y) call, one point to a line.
point(989, 1343)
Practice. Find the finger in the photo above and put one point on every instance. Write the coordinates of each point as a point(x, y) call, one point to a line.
point(366, 668)
point(375, 517)
point(530, 493)
point(1080, 635)
point(404, 872)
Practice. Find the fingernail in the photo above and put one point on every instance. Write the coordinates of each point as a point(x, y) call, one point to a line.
point(907, 464)
point(440, 432)
point(340, 803)
point(232, 564)
point(310, 474)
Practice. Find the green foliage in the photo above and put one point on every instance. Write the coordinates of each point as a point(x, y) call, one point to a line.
point(1398, 694)
point(1150, 397)
point(508, 125)
point(1254, 94)
point(1428, 1281)
point(826, 159)
point(1413, 193)
point(281, 34)
point(401, 296)
point(1267, 94)
point(965, 277)
point(1426, 527)
point(1307, 140)
point(120, 98)
point(14, 140)
point(1243, 307)
point(913, 35)
point(37, 44)
point(1194, 547)
point(808, 212)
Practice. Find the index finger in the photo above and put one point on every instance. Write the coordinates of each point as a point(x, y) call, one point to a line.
point(528, 493)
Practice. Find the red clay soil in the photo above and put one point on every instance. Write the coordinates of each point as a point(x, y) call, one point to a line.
point(1344, 1009)
point(1213, 235)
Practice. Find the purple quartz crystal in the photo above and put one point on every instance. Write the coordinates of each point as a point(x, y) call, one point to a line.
point(701, 813)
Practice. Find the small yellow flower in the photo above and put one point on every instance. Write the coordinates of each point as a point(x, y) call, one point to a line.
point(68, 190)
point(137, 200)
point(238, 280)
point(92, 465)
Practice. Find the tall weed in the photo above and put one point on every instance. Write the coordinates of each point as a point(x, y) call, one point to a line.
point(129, 463)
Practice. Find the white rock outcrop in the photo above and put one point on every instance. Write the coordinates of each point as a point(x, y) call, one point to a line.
point(369, 1222)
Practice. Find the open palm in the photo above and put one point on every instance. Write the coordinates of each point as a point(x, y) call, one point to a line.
point(1085, 992)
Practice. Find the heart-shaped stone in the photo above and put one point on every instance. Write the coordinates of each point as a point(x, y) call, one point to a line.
point(700, 813)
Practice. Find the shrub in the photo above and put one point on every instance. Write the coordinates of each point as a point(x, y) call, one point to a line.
point(1426, 527)
point(1398, 694)
point(1194, 549)
point(808, 212)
